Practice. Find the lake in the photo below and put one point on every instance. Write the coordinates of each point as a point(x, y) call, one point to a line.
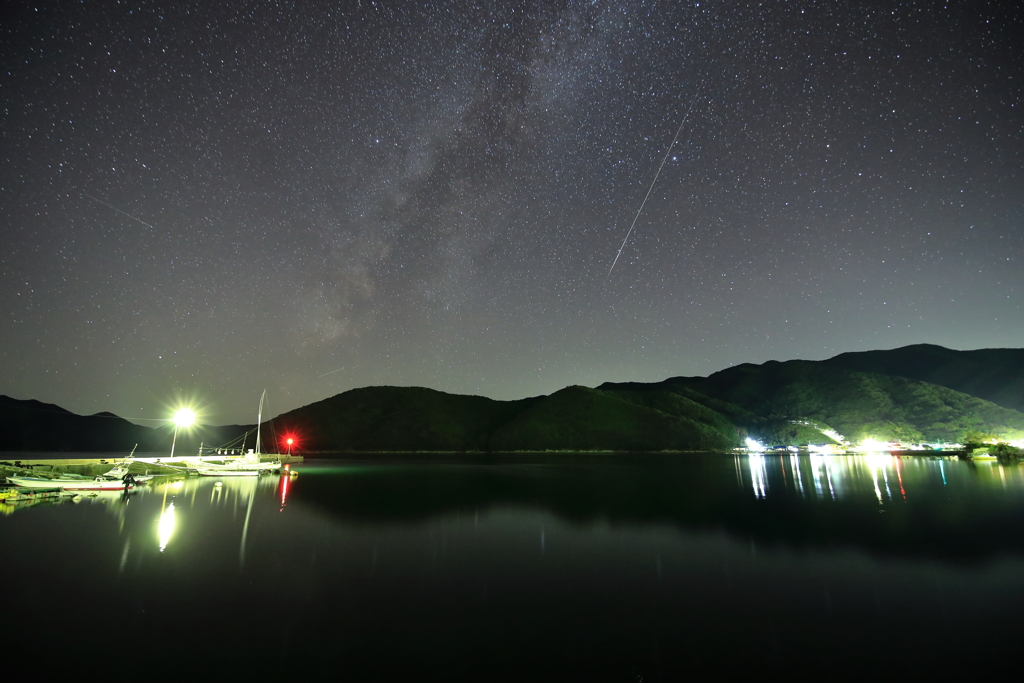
point(524, 568)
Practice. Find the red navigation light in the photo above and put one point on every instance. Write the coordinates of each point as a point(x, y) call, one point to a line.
point(290, 441)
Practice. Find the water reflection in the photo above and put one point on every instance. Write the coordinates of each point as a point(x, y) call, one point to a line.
point(758, 475)
point(245, 526)
point(932, 506)
point(176, 504)
point(113, 500)
point(890, 477)
point(617, 568)
point(179, 502)
point(165, 526)
point(282, 490)
point(876, 463)
point(945, 508)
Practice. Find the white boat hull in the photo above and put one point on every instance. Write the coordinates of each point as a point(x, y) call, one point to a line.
point(69, 484)
point(204, 472)
point(246, 464)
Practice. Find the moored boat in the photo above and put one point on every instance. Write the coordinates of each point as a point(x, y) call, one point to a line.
point(96, 484)
point(227, 472)
point(121, 471)
point(249, 464)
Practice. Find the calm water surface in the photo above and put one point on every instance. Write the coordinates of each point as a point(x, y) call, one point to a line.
point(639, 568)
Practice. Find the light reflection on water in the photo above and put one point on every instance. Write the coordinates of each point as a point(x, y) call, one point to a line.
point(602, 568)
point(889, 477)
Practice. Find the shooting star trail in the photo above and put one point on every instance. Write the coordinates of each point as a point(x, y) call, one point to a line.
point(649, 189)
point(330, 373)
point(118, 210)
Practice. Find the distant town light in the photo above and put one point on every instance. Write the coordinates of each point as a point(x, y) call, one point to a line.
point(872, 446)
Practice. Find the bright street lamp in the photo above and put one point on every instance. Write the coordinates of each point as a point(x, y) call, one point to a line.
point(183, 418)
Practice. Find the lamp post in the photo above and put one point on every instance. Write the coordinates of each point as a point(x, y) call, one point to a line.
point(183, 418)
point(290, 442)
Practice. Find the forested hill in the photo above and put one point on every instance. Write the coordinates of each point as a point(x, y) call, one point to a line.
point(574, 419)
point(28, 425)
point(768, 399)
point(996, 375)
point(36, 426)
point(877, 394)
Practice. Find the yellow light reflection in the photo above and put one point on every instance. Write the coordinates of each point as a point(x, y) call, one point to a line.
point(794, 465)
point(165, 527)
point(875, 461)
point(758, 475)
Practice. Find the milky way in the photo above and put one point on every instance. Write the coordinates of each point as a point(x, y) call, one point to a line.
point(206, 199)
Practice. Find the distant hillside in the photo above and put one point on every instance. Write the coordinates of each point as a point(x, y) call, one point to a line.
point(996, 375)
point(578, 418)
point(399, 419)
point(917, 393)
point(35, 426)
point(768, 397)
point(575, 418)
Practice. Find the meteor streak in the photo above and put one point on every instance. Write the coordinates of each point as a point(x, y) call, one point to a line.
point(118, 210)
point(660, 166)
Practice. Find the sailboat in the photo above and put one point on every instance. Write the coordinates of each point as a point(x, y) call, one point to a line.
point(249, 465)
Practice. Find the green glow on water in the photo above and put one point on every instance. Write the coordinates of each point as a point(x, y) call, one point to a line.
point(607, 568)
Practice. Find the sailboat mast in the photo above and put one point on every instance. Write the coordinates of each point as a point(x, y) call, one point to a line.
point(259, 420)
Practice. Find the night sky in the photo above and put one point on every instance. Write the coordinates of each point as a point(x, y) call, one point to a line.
point(203, 200)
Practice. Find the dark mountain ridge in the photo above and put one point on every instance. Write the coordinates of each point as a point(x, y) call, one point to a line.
point(857, 404)
point(30, 425)
point(996, 375)
point(877, 394)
